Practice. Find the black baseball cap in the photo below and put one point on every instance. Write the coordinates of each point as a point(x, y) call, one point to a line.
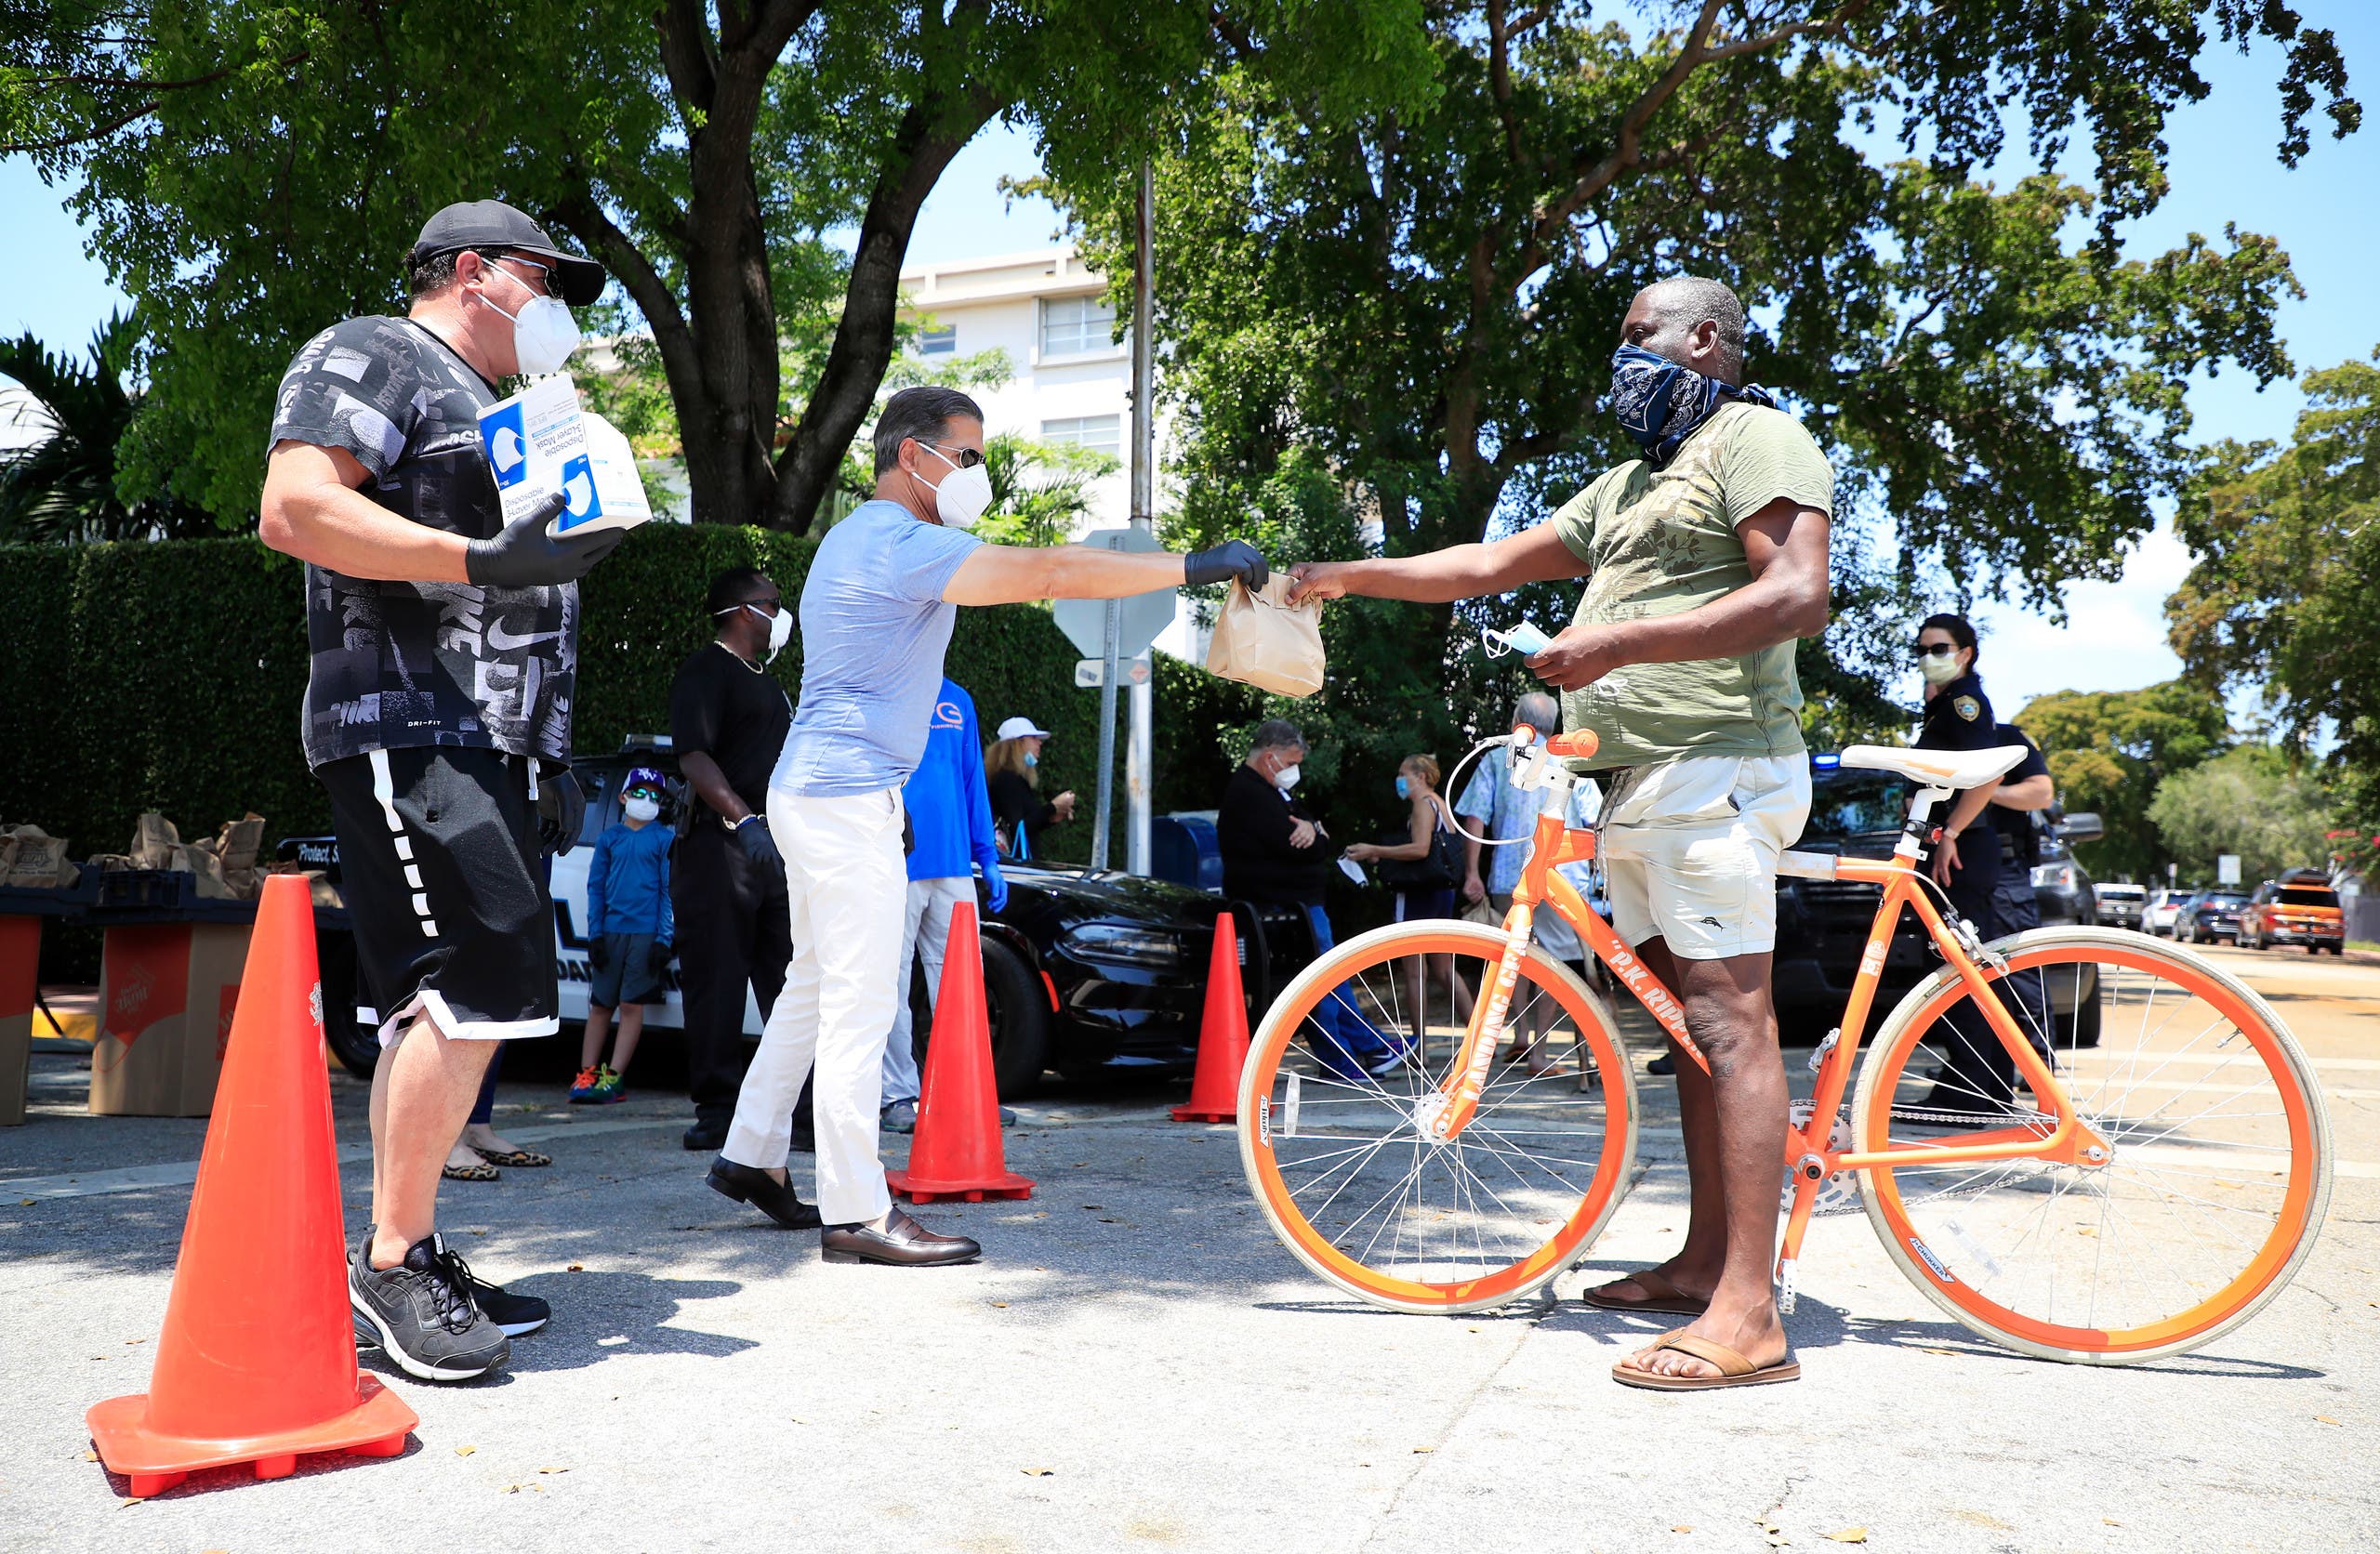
point(486, 225)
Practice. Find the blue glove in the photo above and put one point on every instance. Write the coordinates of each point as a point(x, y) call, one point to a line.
point(997, 885)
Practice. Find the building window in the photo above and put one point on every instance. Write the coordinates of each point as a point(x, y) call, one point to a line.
point(1100, 433)
point(938, 342)
point(1072, 325)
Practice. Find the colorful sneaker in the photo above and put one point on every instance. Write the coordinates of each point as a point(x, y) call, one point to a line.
point(609, 1087)
point(586, 1087)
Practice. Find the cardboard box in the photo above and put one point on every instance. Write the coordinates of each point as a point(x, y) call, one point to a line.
point(538, 442)
point(166, 993)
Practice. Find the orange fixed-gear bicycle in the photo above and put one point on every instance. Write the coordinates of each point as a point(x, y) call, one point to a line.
point(2158, 1173)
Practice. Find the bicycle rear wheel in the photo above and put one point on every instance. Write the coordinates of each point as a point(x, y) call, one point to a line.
point(2216, 1190)
point(1338, 1156)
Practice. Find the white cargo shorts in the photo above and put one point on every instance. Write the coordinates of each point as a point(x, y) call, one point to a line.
point(1690, 846)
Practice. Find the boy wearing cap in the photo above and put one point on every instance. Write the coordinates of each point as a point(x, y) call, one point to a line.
point(629, 934)
point(443, 645)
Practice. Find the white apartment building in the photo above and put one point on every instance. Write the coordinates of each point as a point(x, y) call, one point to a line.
point(1048, 312)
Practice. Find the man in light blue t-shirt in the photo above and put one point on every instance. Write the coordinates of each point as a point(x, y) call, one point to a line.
point(877, 611)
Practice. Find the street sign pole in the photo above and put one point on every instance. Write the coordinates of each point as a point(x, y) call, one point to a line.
point(1106, 743)
point(1139, 754)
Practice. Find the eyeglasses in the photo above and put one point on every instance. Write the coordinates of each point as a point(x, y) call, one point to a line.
point(544, 282)
point(967, 458)
point(1932, 649)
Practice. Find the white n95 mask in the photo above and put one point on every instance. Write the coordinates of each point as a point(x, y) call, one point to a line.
point(641, 808)
point(544, 334)
point(1287, 778)
point(964, 496)
point(1940, 671)
point(780, 630)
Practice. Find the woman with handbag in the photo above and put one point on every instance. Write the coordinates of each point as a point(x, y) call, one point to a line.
point(1423, 869)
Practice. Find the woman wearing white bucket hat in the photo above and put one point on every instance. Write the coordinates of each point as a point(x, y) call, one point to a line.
point(1012, 767)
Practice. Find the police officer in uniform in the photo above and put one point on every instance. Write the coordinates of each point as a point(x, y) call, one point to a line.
point(1986, 874)
point(728, 718)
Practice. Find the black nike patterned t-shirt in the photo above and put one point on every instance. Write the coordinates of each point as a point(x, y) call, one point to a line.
point(398, 665)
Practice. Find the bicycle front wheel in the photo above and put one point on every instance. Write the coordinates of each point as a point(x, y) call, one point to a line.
point(2220, 1170)
point(1332, 1106)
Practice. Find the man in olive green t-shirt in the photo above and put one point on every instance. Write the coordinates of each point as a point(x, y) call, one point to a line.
point(1705, 560)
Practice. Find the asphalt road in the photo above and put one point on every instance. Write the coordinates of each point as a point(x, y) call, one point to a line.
point(1139, 1364)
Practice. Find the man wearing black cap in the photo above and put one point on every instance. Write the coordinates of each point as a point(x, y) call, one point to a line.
point(438, 703)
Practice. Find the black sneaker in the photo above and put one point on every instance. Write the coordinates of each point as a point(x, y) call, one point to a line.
point(517, 1314)
point(422, 1315)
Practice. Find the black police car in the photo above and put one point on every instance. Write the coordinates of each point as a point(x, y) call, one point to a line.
point(1082, 972)
point(1822, 926)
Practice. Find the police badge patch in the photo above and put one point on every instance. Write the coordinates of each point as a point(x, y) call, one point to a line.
point(1966, 708)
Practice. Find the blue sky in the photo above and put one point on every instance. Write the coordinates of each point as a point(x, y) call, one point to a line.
point(2222, 167)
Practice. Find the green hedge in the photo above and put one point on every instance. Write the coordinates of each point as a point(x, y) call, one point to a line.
point(169, 676)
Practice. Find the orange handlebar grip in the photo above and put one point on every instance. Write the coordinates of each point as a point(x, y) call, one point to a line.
point(1580, 743)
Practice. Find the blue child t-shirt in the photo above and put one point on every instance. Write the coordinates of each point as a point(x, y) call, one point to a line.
point(628, 882)
point(874, 629)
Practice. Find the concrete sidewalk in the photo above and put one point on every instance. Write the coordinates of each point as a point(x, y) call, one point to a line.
point(1138, 1363)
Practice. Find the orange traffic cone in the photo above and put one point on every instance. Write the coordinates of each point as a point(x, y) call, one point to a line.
point(956, 1151)
point(257, 1360)
point(1223, 1036)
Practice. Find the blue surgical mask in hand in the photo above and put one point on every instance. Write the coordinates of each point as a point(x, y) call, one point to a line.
point(1031, 760)
point(1404, 788)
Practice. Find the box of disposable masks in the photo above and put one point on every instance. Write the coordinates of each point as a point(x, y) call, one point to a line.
point(539, 442)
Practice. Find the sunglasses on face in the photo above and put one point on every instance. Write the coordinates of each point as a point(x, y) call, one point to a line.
point(1932, 649)
point(966, 458)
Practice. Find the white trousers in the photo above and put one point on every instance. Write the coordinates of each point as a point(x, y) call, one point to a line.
point(927, 933)
point(846, 884)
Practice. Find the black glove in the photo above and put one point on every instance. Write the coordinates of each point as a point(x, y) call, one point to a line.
point(561, 808)
point(759, 845)
point(656, 959)
point(599, 953)
point(523, 555)
point(1231, 560)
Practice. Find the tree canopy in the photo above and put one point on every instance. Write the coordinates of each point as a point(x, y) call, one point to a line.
point(749, 173)
point(2255, 802)
point(2111, 751)
point(62, 485)
point(2281, 594)
point(1424, 297)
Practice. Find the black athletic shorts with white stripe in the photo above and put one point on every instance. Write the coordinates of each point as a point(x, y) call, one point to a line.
point(444, 876)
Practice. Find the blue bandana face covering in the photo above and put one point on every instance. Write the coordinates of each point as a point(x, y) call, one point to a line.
point(1659, 403)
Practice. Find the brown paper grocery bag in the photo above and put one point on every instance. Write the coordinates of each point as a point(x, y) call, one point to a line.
point(1262, 639)
point(156, 844)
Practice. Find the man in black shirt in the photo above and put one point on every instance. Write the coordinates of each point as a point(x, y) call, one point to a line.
point(1274, 854)
point(444, 647)
point(728, 718)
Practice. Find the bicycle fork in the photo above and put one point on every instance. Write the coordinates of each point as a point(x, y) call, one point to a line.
point(1447, 1110)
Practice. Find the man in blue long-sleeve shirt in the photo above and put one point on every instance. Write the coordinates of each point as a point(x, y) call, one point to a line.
point(630, 928)
point(951, 810)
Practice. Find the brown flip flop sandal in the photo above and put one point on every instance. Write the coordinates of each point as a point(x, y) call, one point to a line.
point(1734, 1369)
point(481, 1172)
point(1660, 1296)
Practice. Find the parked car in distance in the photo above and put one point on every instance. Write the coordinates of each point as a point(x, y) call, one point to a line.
point(2209, 916)
point(2121, 906)
point(2298, 908)
point(1822, 925)
point(2164, 906)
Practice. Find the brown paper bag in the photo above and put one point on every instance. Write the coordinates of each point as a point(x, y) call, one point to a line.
point(156, 844)
point(32, 859)
point(236, 844)
point(1262, 639)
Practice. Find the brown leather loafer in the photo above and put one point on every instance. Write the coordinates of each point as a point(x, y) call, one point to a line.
point(902, 1243)
point(749, 1184)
